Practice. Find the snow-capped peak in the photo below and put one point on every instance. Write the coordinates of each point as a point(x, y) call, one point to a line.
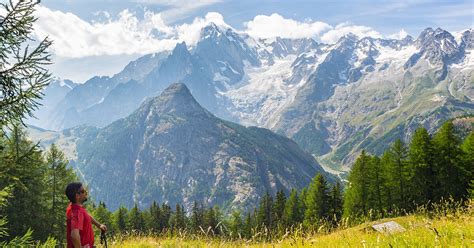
point(214, 30)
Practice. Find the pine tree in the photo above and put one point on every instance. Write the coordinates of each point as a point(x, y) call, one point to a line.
point(179, 218)
point(356, 196)
point(57, 177)
point(292, 214)
point(264, 212)
point(154, 221)
point(197, 216)
point(336, 203)
point(22, 71)
point(236, 225)
point(248, 225)
point(317, 201)
point(210, 220)
point(302, 203)
point(165, 216)
point(279, 208)
point(103, 215)
point(120, 219)
point(468, 160)
point(423, 179)
point(219, 217)
point(23, 241)
point(398, 172)
point(451, 173)
point(375, 185)
point(390, 184)
point(23, 169)
point(136, 222)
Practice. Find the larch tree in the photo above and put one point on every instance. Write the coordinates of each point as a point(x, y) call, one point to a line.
point(452, 176)
point(278, 208)
point(317, 201)
point(398, 172)
point(58, 175)
point(356, 195)
point(292, 213)
point(468, 160)
point(423, 181)
point(23, 75)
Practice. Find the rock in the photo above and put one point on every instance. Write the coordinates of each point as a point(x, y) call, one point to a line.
point(389, 227)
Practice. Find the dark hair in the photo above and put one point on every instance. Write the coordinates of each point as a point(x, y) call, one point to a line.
point(71, 191)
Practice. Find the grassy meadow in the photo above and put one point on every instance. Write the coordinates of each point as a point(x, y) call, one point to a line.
point(441, 228)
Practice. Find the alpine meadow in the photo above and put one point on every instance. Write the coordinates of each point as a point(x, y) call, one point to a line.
point(220, 123)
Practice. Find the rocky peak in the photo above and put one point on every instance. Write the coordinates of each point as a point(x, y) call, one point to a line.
point(366, 46)
point(180, 50)
point(218, 34)
point(177, 61)
point(438, 39)
point(62, 83)
point(424, 36)
point(211, 31)
point(223, 52)
point(346, 43)
point(176, 99)
point(467, 39)
point(437, 46)
point(407, 40)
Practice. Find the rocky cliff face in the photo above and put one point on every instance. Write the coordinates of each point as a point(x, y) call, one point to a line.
point(173, 150)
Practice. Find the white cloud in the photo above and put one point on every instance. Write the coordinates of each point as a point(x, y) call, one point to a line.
point(190, 33)
point(127, 34)
point(263, 26)
point(74, 37)
point(179, 8)
point(345, 28)
point(398, 36)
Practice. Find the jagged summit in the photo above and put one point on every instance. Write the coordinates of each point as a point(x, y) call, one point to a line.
point(177, 92)
point(176, 99)
point(213, 31)
point(467, 39)
point(407, 40)
point(180, 51)
point(346, 43)
point(439, 47)
point(436, 39)
point(177, 89)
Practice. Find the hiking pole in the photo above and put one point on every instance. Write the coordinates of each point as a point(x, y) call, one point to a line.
point(103, 238)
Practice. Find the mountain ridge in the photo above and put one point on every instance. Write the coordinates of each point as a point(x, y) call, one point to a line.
point(172, 149)
point(310, 91)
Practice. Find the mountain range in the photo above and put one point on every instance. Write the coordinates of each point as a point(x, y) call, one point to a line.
point(332, 99)
point(173, 150)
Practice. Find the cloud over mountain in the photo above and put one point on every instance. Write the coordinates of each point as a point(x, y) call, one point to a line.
point(128, 33)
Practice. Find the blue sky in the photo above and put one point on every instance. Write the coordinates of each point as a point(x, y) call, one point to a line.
point(384, 16)
point(91, 31)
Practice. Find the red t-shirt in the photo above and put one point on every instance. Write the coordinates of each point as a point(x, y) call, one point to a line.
point(78, 218)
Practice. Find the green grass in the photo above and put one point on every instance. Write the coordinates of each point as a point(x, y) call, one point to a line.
point(453, 229)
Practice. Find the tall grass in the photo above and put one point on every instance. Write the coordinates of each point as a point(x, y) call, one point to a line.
point(445, 224)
